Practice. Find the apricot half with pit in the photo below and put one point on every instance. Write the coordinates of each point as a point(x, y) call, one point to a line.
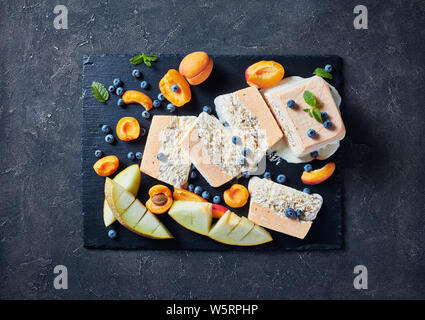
point(160, 199)
point(264, 74)
point(175, 88)
point(134, 96)
point(196, 67)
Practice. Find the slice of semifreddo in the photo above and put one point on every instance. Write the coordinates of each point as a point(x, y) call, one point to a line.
point(163, 157)
point(210, 148)
point(269, 200)
point(135, 216)
point(295, 121)
point(249, 117)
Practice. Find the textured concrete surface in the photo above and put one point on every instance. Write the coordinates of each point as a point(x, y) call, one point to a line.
point(40, 222)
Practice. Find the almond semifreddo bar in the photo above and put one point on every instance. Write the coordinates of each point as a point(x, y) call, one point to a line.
point(270, 200)
point(295, 122)
point(163, 157)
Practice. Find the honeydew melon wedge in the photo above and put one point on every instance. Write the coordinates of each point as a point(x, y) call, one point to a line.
point(229, 229)
point(129, 179)
point(195, 216)
point(135, 216)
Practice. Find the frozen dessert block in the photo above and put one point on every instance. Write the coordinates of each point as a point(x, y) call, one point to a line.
point(295, 122)
point(163, 158)
point(270, 200)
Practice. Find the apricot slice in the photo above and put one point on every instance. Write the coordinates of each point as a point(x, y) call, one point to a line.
point(319, 175)
point(134, 96)
point(182, 194)
point(196, 67)
point(264, 74)
point(218, 210)
point(160, 199)
point(128, 129)
point(106, 166)
point(237, 196)
point(173, 78)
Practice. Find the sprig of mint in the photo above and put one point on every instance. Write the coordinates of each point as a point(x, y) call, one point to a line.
point(323, 73)
point(99, 91)
point(146, 58)
point(313, 112)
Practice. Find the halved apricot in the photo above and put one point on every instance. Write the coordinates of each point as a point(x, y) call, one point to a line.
point(160, 199)
point(173, 80)
point(319, 175)
point(196, 67)
point(106, 166)
point(134, 96)
point(128, 129)
point(181, 194)
point(237, 196)
point(264, 74)
point(218, 210)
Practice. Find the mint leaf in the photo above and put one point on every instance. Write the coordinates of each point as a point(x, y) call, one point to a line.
point(322, 73)
point(309, 98)
point(146, 58)
point(309, 113)
point(137, 59)
point(306, 109)
point(317, 115)
point(99, 92)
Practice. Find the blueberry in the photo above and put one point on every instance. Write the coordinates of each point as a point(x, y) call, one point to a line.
point(120, 103)
point(192, 167)
point(245, 152)
point(245, 174)
point(190, 187)
point(236, 139)
point(267, 175)
point(308, 168)
point(242, 161)
point(291, 104)
point(314, 154)
point(299, 213)
point(327, 124)
point(156, 103)
point(119, 91)
point(311, 133)
point(290, 213)
point(144, 85)
point(117, 82)
point(281, 178)
point(131, 156)
point(112, 234)
point(109, 138)
point(216, 199)
point(307, 190)
point(139, 155)
point(328, 68)
point(171, 107)
point(106, 129)
point(136, 73)
point(324, 115)
point(98, 154)
point(161, 97)
point(206, 195)
point(175, 88)
point(142, 132)
point(161, 157)
point(146, 114)
point(193, 175)
point(198, 190)
point(225, 123)
point(111, 89)
point(206, 109)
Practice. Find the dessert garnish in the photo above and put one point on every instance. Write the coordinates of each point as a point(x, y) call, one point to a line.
point(313, 112)
point(147, 59)
point(321, 72)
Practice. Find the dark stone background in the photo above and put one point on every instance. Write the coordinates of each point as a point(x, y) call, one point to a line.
point(40, 210)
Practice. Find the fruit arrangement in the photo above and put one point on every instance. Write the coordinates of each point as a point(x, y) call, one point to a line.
point(191, 206)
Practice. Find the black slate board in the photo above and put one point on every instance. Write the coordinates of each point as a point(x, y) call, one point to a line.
point(227, 76)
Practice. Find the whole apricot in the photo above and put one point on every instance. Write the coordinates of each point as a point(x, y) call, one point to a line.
point(196, 67)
